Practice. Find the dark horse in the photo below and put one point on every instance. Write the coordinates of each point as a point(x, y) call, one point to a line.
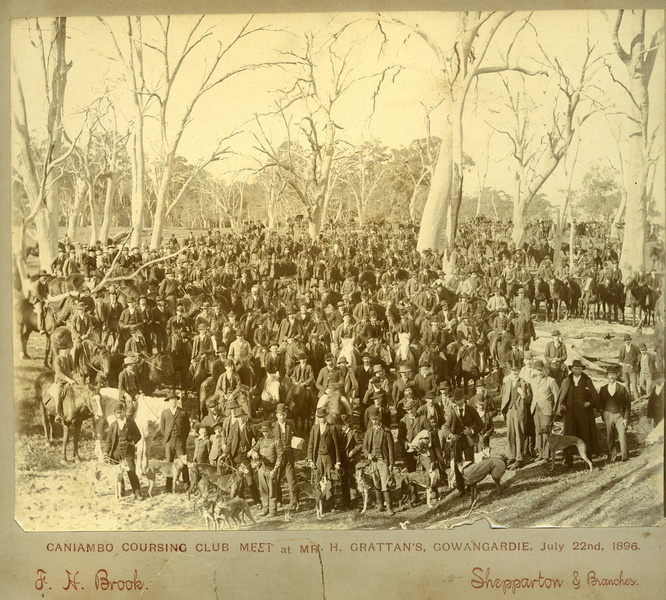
point(559, 292)
point(612, 299)
point(591, 298)
point(642, 297)
point(77, 407)
point(542, 294)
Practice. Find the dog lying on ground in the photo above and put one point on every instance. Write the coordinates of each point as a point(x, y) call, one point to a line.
point(110, 472)
point(234, 509)
point(174, 470)
point(475, 473)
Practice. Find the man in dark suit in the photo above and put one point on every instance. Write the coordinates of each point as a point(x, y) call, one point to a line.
point(324, 448)
point(351, 449)
point(615, 406)
point(175, 427)
point(238, 442)
point(283, 432)
point(378, 449)
point(411, 424)
point(462, 428)
point(120, 444)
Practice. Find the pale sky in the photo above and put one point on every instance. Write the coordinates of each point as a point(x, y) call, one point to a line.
point(399, 116)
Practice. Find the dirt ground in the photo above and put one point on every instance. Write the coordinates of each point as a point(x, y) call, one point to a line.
point(52, 496)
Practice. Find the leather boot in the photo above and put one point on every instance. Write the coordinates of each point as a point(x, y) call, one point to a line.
point(389, 503)
point(379, 499)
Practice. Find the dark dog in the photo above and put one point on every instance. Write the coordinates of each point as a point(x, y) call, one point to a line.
point(216, 486)
point(428, 480)
point(197, 471)
point(174, 470)
point(364, 483)
point(475, 473)
point(315, 491)
point(234, 510)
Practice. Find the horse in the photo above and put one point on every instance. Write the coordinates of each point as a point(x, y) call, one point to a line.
point(335, 404)
point(272, 392)
point(301, 403)
point(404, 352)
point(643, 297)
point(25, 322)
point(591, 298)
point(147, 418)
point(77, 407)
point(349, 351)
point(465, 360)
point(155, 371)
point(559, 292)
point(523, 331)
point(612, 299)
point(542, 294)
point(93, 361)
point(576, 294)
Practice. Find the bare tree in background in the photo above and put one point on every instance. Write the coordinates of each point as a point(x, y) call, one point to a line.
point(460, 61)
point(306, 109)
point(639, 60)
point(40, 181)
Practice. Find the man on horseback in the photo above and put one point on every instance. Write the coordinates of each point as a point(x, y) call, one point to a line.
point(81, 326)
point(63, 367)
point(129, 386)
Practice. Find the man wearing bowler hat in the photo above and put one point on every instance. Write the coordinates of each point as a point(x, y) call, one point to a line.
point(324, 447)
point(615, 406)
point(555, 348)
point(629, 359)
point(577, 400)
point(268, 450)
point(175, 427)
point(283, 432)
point(238, 443)
point(121, 445)
point(462, 428)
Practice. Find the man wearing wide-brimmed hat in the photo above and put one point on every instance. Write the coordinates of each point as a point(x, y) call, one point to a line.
point(268, 451)
point(545, 393)
point(615, 406)
point(516, 400)
point(647, 365)
point(577, 400)
point(408, 426)
point(378, 449)
point(38, 292)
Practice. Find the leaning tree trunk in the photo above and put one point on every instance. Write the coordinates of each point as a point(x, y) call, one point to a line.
point(75, 212)
point(108, 208)
point(441, 194)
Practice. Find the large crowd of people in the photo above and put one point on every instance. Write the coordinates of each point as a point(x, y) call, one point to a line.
point(354, 342)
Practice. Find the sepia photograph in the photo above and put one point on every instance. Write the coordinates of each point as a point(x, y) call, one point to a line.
point(337, 271)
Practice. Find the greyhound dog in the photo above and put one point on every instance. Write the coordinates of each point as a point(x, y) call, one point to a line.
point(168, 469)
point(110, 472)
point(474, 473)
point(561, 442)
point(234, 509)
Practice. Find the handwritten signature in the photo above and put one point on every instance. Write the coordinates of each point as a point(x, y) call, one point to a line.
point(102, 581)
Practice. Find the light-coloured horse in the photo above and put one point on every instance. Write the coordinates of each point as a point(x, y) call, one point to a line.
point(147, 417)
